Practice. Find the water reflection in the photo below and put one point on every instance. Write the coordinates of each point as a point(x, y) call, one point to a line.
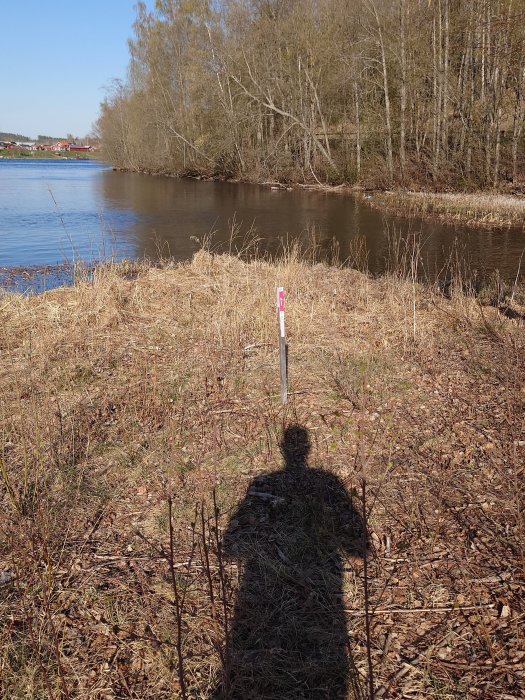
point(56, 211)
point(171, 213)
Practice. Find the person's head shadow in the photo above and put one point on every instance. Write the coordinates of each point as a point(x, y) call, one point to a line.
point(295, 447)
point(292, 535)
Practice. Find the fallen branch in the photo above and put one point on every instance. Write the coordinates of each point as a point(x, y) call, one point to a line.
point(396, 611)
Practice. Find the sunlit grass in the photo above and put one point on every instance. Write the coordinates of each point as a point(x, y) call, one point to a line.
point(490, 210)
point(145, 386)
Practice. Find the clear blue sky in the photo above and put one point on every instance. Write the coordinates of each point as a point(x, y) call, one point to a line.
point(56, 57)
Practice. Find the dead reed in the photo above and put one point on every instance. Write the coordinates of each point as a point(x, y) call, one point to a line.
point(484, 210)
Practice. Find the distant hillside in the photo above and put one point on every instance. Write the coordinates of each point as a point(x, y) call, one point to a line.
point(5, 136)
point(41, 138)
point(51, 139)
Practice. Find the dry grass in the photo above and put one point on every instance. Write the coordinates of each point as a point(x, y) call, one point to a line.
point(154, 386)
point(489, 210)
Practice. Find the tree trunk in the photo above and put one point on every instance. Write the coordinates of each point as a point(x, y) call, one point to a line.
point(518, 122)
point(358, 132)
point(402, 90)
point(388, 120)
point(444, 119)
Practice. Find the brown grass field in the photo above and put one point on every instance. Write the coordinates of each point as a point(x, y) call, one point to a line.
point(474, 209)
point(169, 530)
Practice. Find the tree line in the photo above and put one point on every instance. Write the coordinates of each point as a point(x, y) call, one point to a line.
point(382, 92)
point(9, 136)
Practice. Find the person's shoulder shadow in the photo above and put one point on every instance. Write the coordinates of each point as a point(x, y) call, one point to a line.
point(288, 636)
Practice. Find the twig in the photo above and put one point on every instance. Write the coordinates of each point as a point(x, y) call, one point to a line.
point(386, 649)
point(406, 668)
point(397, 611)
point(224, 597)
point(207, 567)
point(367, 601)
point(266, 496)
point(178, 606)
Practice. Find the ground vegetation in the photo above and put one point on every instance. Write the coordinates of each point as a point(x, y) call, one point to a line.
point(169, 530)
point(477, 209)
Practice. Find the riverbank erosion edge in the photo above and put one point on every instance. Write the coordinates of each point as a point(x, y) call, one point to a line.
point(140, 408)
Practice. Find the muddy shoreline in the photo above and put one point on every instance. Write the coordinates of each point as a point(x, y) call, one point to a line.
point(37, 278)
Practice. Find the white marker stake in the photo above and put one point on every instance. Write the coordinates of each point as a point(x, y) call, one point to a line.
point(283, 349)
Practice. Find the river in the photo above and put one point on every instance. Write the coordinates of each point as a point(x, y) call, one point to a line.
point(56, 212)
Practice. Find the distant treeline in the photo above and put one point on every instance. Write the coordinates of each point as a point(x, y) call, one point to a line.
point(49, 139)
point(6, 136)
point(412, 92)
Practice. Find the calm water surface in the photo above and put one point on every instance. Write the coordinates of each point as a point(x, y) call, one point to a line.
point(54, 212)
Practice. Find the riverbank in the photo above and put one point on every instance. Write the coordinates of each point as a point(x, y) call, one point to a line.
point(36, 279)
point(474, 209)
point(484, 210)
point(22, 153)
point(138, 407)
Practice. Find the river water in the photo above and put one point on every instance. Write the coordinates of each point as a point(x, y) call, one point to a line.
point(56, 212)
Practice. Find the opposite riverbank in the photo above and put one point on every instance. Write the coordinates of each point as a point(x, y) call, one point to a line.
point(139, 409)
point(24, 154)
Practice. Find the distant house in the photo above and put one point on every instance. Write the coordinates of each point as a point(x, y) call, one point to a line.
point(82, 149)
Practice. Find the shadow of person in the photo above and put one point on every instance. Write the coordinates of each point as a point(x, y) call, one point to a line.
point(288, 636)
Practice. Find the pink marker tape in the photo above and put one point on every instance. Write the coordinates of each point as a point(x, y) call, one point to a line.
point(280, 298)
point(280, 307)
